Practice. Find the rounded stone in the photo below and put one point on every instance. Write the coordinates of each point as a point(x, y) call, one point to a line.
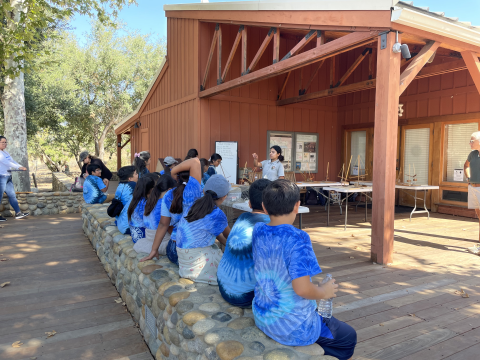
point(228, 350)
point(207, 291)
point(175, 298)
point(253, 333)
point(218, 335)
point(174, 318)
point(280, 354)
point(192, 317)
point(209, 307)
point(161, 303)
point(241, 323)
point(164, 286)
point(187, 333)
point(174, 350)
point(173, 289)
point(222, 317)
point(257, 347)
point(235, 311)
point(185, 281)
point(166, 335)
point(184, 306)
point(147, 270)
point(314, 350)
point(164, 349)
point(202, 326)
point(174, 337)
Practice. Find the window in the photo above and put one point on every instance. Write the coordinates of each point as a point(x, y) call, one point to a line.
point(358, 145)
point(461, 196)
point(456, 149)
point(416, 155)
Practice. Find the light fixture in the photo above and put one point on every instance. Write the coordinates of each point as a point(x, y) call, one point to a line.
point(400, 110)
point(399, 48)
point(136, 126)
point(119, 144)
point(431, 58)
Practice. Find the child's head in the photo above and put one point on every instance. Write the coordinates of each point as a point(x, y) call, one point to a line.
point(255, 193)
point(144, 185)
point(216, 190)
point(276, 153)
point(192, 153)
point(177, 202)
point(128, 173)
point(281, 197)
point(94, 169)
point(205, 163)
point(141, 161)
point(163, 184)
point(215, 159)
point(169, 162)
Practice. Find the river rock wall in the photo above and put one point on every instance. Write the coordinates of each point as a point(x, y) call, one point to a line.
point(178, 318)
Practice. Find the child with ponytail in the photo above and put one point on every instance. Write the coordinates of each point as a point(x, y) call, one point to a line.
point(141, 162)
point(198, 256)
point(175, 205)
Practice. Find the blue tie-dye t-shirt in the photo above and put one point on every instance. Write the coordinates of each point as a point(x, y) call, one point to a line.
point(235, 272)
point(92, 190)
point(282, 254)
point(137, 226)
point(192, 191)
point(124, 194)
point(152, 220)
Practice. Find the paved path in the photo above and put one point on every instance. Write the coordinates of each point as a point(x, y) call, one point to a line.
point(58, 284)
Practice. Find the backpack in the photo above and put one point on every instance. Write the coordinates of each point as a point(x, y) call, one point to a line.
point(312, 197)
point(116, 207)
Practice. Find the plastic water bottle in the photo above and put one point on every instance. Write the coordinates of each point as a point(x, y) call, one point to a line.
point(325, 306)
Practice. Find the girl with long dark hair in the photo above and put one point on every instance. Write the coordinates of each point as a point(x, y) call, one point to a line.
point(192, 153)
point(128, 181)
point(205, 165)
point(141, 161)
point(215, 161)
point(176, 203)
point(137, 206)
point(198, 256)
point(271, 169)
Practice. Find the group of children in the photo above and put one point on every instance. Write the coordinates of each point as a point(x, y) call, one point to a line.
point(267, 264)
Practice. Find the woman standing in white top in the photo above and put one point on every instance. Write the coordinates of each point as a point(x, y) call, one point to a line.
point(271, 169)
point(6, 185)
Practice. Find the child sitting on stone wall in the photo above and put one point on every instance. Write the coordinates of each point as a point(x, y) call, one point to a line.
point(198, 256)
point(93, 188)
point(128, 179)
point(236, 278)
point(284, 306)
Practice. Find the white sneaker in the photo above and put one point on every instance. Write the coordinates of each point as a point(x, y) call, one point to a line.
point(21, 215)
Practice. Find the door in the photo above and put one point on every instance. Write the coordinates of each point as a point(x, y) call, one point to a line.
point(416, 162)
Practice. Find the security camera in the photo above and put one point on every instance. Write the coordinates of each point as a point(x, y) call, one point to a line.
point(399, 48)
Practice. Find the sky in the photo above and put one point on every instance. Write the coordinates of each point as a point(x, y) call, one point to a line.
point(148, 16)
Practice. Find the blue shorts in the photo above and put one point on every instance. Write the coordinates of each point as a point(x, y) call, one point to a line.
point(342, 342)
point(172, 251)
point(241, 301)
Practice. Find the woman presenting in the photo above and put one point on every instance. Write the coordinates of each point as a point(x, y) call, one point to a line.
point(87, 159)
point(271, 169)
point(6, 185)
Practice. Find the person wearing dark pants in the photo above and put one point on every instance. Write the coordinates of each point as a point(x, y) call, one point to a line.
point(6, 184)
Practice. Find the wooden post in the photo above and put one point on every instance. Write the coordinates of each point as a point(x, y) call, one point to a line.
point(244, 51)
point(473, 66)
point(276, 45)
point(219, 55)
point(119, 151)
point(385, 145)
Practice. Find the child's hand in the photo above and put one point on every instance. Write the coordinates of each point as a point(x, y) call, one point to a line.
point(329, 289)
point(255, 156)
point(153, 254)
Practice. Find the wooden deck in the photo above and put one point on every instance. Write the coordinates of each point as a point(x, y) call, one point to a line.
point(58, 284)
point(408, 310)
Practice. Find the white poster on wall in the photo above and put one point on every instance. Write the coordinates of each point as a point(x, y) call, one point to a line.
point(228, 150)
point(458, 175)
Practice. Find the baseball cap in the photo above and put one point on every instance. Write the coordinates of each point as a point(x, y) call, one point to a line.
point(169, 160)
point(218, 184)
point(83, 155)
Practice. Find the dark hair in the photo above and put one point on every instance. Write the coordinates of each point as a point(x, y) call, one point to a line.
point(191, 154)
point(255, 193)
point(143, 187)
point(280, 197)
point(202, 206)
point(2, 137)
point(163, 184)
point(204, 162)
point(126, 172)
point(278, 149)
point(177, 202)
point(215, 157)
point(92, 167)
point(140, 162)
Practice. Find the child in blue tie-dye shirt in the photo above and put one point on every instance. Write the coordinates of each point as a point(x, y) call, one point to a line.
point(235, 275)
point(93, 188)
point(284, 306)
point(128, 180)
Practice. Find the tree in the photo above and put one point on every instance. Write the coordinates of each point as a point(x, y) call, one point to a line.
point(25, 25)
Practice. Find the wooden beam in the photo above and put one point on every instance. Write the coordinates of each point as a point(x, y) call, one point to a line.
point(219, 55)
point(332, 71)
point(353, 67)
point(126, 142)
point(209, 60)
point(282, 89)
point(276, 45)
point(385, 154)
point(444, 68)
point(260, 51)
point(370, 65)
point(332, 48)
point(320, 63)
point(417, 64)
point(244, 51)
point(473, 65)
point(320, 38)
point(364, 85)
point(301, 44)
point(232, 53)
point(119, 152)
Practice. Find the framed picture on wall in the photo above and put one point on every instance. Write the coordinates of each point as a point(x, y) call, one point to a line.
point(308, 151)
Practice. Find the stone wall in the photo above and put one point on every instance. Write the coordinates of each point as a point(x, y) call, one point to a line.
point(178, 318)
point(61, 182)
point(45, 203)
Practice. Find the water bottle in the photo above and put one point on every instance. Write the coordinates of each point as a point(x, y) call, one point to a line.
point(325, 306)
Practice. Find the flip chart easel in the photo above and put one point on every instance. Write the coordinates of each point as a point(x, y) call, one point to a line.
point(228, 150)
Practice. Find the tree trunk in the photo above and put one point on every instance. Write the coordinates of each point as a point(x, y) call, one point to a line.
point(100, 148)
point(13, 101)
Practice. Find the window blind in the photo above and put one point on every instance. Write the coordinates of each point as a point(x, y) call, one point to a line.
point(416, 154)
point(457, 147)
point(358, 147)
